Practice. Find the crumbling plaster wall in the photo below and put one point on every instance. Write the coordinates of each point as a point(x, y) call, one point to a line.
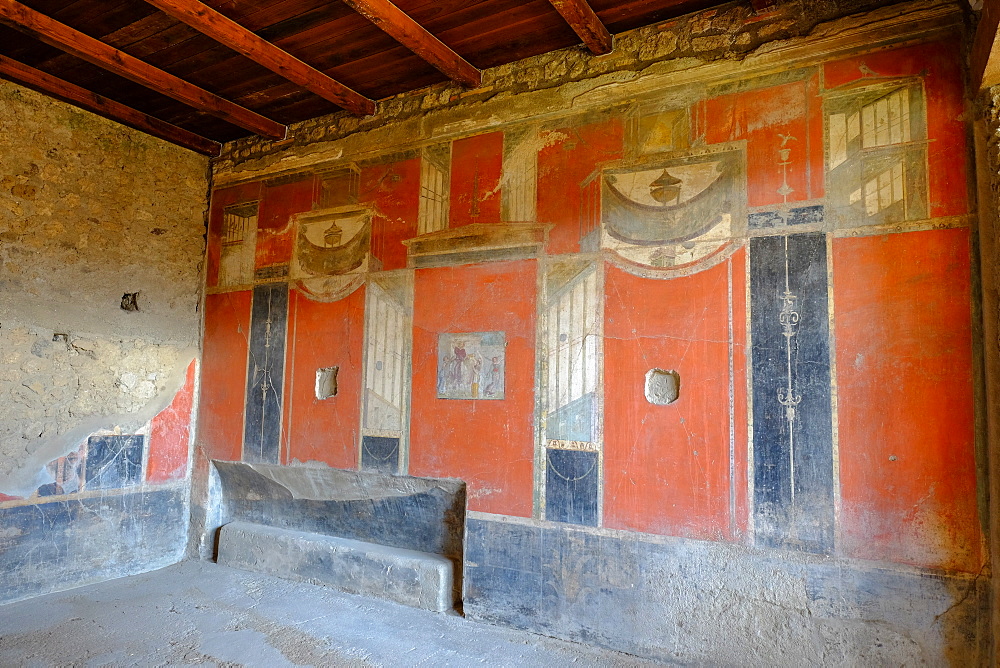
point(90, 210)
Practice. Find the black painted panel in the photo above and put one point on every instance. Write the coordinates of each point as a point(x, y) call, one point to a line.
point(792, 414)
point(52, 546)
point(802, 215)
point(265, 374)
point(571, 486)
point(114, 462)
point(665, 599)
point(380, 453)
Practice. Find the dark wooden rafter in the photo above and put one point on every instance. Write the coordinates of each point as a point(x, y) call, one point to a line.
point(61, 36)
point(985, 57)
point(226, 31)
point(102, 106)
point(417, 39)
point(585, 23)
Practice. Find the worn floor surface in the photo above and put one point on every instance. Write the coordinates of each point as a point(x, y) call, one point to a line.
point(203, 613)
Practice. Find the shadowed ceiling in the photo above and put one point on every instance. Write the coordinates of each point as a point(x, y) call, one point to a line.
point(331, 36)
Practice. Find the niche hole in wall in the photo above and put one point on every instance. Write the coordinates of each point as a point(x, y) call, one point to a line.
point(326, 382)
point(130, 301)
point(662, 386)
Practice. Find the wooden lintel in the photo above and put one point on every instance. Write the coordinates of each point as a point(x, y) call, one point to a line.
point(584, 22)
point(417, 39)
point(61, 36)
point(985, 58)
point(224, 30)
point(102, 106)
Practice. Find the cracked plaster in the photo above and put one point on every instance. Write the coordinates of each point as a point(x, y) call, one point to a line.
point(90, 210)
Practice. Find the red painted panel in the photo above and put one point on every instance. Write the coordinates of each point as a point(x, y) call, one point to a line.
point(476, 167)
point(905, 399)
point(941, 70)
point(322, 335)
point(170, 434)
point(394, 191)
point(741, 453)
point(771, 119)
point(666, 468)
point(222, 198)
point(569, 156)
point(487, 443)
point(224, 374)
point(274, 228)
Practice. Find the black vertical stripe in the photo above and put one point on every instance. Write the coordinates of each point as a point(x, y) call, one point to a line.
point(792, 414)
point(265, 373)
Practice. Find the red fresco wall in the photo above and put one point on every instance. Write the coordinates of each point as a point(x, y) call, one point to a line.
point(488, 443)
point(666, 468)
point(322, 335)
point(170, 433)
point(393, 190)
point(569, 156)
point(947, 154)
point(788, 116)
point(902, 336)
point(476, 167)
point(224, 374)
point(904, 375)
point(274, 229)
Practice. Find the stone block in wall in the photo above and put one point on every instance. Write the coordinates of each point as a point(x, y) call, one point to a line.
point(422, 514)
point(409, 577)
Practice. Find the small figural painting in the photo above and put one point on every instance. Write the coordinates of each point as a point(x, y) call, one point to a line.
point(471, 365)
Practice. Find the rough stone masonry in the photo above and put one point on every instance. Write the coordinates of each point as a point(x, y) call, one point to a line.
point(90, 211)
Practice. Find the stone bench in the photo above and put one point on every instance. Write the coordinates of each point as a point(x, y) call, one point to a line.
point(417, 579)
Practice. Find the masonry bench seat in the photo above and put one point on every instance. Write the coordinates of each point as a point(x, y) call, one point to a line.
point(413, 578)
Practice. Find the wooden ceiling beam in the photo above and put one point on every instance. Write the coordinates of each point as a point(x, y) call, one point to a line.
point(583, 20)
point(417, 39)
point(61, 36)
point(985, 57)
point(206, 20)
point(102, 106)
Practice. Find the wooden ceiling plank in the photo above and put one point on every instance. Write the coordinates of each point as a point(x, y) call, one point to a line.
point(621, 15)
point(415, 37)
point(225, 31)
point(137, 39)
point(102, 106)
point(581, 17)
point(50, 31)
point(99, 19)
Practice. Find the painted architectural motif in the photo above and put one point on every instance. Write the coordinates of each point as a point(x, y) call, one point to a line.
point(494, 304)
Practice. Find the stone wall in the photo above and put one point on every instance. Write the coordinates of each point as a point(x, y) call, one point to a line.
point(92, 214)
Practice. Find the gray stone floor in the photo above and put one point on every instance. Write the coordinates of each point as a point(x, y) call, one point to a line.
point(203, 613)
